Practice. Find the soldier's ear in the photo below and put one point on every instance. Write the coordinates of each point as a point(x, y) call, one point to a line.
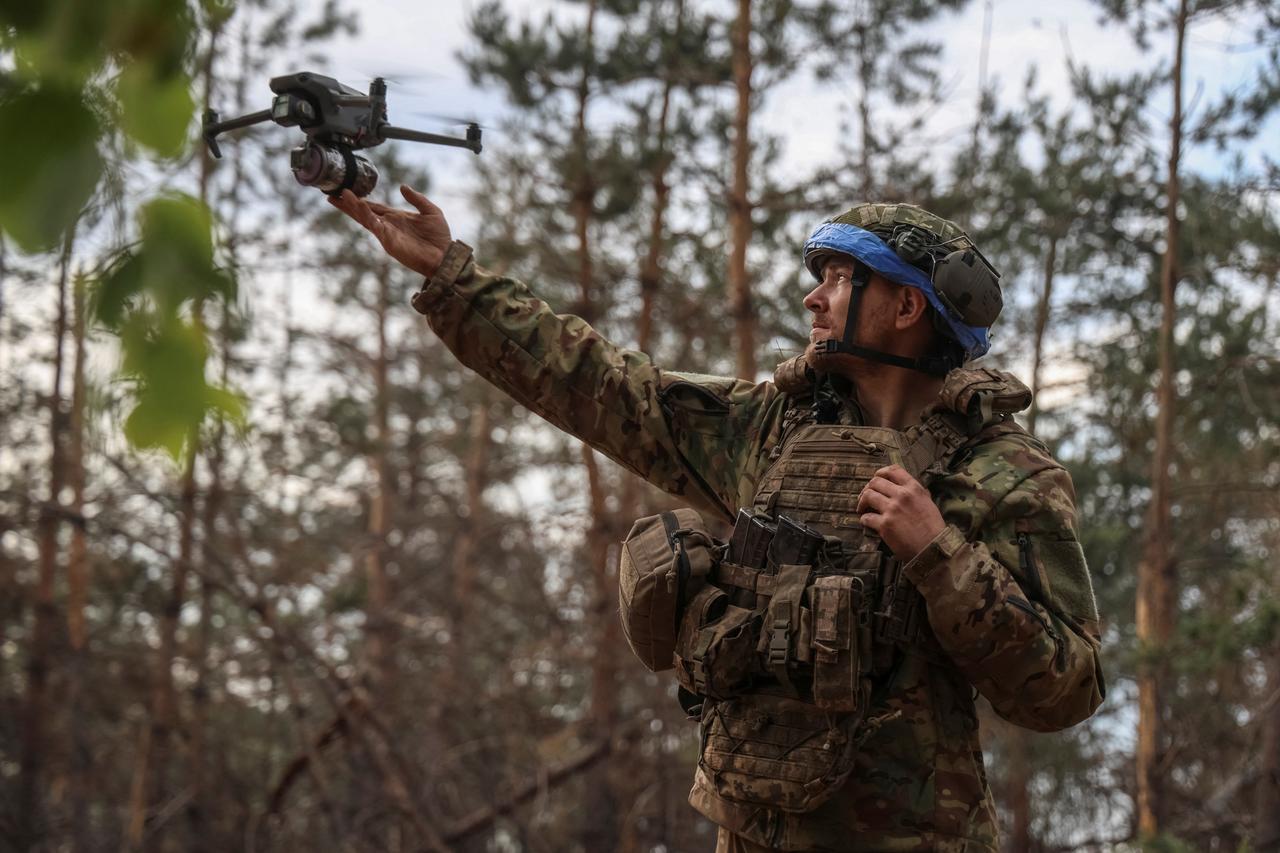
point(912, 307)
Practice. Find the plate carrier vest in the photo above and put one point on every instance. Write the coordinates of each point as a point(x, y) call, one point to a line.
point(781, 663)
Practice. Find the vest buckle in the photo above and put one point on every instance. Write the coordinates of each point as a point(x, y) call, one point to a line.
point(779, 642)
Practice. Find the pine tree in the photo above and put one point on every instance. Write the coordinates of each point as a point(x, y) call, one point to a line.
point(1230, 119)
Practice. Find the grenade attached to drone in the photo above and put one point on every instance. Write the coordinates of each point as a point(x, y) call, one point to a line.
point(332, 170)
point(338, 121)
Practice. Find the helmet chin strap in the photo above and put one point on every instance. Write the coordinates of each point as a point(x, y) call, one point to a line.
point(932, 365)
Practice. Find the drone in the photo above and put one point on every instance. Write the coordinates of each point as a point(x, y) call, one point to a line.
point(338, 121)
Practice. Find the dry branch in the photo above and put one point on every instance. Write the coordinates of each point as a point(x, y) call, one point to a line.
point(548, 778)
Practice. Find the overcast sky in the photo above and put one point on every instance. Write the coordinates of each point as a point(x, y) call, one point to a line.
point(404, 37)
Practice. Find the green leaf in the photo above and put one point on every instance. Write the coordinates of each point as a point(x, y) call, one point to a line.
point(177, 249)
point(180, 226)
point(50, 165)
point(154, 109)
point(165, 357)
point(63, 40)
point(157, 31)
point(152, 425)
point(226, 403)
point(116, 290)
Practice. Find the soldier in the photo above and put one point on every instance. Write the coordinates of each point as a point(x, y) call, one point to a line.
point(835, 690)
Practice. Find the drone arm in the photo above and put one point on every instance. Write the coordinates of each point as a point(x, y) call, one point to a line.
point(213, 127)
point(472, 142)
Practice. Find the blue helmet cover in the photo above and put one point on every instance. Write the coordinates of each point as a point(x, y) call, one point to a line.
point(866, 248)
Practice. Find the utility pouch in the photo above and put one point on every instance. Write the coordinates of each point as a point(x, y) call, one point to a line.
point(900, 613)
point(781, 645)
point(776, 752)
point(664, 560)
point(983, 395)
point(715, 653)
point(841, 645)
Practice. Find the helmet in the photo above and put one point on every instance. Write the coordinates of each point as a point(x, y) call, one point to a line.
point(911, 246)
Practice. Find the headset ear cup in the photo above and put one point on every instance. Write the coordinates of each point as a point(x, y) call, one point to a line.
point(968, 286)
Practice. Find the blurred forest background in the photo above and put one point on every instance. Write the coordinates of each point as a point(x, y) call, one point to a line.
point(276, 574)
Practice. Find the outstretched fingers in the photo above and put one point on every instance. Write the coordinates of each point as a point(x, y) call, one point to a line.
point(382, 209)
point(420, 201)
point(358, 210)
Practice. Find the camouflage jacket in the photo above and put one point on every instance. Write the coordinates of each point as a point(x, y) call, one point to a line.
point(1006, 588)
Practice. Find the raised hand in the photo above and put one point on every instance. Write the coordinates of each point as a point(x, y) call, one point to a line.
point(417, 240)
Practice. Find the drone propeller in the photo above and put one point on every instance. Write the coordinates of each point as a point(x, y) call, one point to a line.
point(472, 124)
point(399, 76)
point(454, 121)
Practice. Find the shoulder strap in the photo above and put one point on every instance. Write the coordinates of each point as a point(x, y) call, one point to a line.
point(972, 403)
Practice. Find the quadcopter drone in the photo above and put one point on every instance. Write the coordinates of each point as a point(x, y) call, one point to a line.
point(338, 121)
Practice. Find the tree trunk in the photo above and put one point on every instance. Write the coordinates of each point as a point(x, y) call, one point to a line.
point(866, 74)
point(739, 203)
point(1018, 786)
point(164, 699)
point(1266, 813)
point(584, 187)
point(1042, 324)
point(379, 586)
point(1156, 581)
point(199, 808)
point(164, 704)
point(1017, 740)
point(81, 771)
point(36, 710)
point(471, 527)
point(601, 812)
point(479, 444)
point(651, 270)
point(136, 819)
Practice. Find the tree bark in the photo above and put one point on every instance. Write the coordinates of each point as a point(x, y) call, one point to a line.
point(1017, 740)
point(1018, 744)
point(601, 812)
point(36, 710)
point(584, 187)
point(479, 445)
point(379, 587)
point(1266, 812)
point(77, 558)
point(866, 73)
point(1156, 572)
point(136, 820)
point(739, 203)
point(1043, 309)
point(651, 270)
point(199, 808)
point(81, 770)
point(164, 703)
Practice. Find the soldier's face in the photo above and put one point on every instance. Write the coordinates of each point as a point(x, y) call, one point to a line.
point(829, 304)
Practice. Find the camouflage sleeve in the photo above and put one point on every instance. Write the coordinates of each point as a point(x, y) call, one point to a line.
point(697, 437)
point(1013, 607)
